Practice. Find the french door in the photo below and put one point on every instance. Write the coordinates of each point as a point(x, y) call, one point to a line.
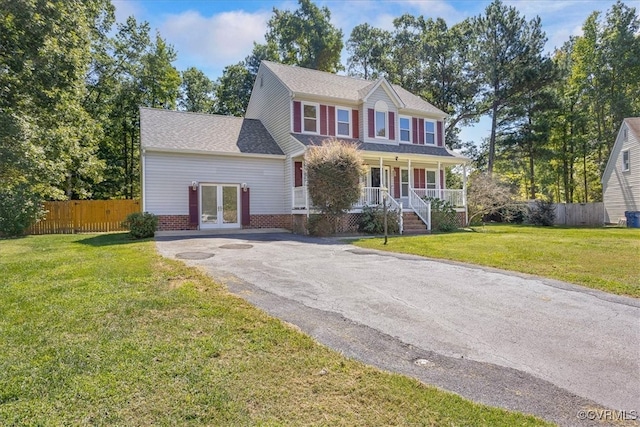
point(219, 206)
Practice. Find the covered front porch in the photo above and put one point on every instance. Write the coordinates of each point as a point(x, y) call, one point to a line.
point(406, 184)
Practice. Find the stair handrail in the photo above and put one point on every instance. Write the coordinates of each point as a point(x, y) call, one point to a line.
point(393, 204)
point(420, 207)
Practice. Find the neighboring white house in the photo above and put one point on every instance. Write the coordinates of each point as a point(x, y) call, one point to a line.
point(207, 171)
point(621, 178)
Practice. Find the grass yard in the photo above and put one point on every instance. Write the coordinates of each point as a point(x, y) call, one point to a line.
point(100, 330)
point(600, 258)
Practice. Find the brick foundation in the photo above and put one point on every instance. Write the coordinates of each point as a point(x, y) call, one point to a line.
point(181, 222)
point(462, 219)
point(270, 221)
point(174, 222)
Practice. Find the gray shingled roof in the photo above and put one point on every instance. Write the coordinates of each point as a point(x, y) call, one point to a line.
point(319, 83)
point(430, 150)
point(634, 125)
point(178, 130)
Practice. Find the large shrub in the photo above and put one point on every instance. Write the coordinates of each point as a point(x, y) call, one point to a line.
point(141, 225)
point(543, 212)
point(20, 207)
point(443, 215)
point(333, 177)
point(372, 220)
point(488, 195)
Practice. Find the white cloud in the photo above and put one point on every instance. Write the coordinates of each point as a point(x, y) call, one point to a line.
point(125, 9)
point(216, 41)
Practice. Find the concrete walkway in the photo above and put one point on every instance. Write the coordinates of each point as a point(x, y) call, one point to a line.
point(519, 342)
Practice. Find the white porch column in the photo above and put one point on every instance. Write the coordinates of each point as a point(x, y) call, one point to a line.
point(410, 175)
point(439, 182)
point(382, 183)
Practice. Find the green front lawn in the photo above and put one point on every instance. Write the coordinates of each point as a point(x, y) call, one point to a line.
point(100, 330)
point(601, 258)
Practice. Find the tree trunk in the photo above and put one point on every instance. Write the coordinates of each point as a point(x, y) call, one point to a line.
point(492, 140)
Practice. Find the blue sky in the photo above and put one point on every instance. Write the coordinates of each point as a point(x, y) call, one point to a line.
point(211, 34)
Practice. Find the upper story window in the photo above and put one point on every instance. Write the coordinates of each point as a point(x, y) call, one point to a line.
point(405, 129)
point(429, 132)
point(625, 135)
point(625, 161)
point(381, 119)
point(310, 117)
point(343, 119)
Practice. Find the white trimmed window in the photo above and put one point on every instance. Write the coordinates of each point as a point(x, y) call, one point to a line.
point(405, 129)
point(343, 121)
point(310, 117)
point(625, 161)
point(430, 177)
point(381, 119)
point(429, 132)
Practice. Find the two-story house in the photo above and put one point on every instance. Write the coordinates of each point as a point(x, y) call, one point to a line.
point(206, 171)
point(621, 177)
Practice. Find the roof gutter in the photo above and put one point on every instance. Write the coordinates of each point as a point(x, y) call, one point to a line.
point(213, 153)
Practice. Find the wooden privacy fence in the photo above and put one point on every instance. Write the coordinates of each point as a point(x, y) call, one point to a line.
point(575, 214)
point(82, 216)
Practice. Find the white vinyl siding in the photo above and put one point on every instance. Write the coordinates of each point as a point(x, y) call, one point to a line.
point(378, 95)
point(168, 175)
point(620, 188)
point(272, 105)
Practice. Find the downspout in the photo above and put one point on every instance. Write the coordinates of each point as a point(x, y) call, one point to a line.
point(143, 171)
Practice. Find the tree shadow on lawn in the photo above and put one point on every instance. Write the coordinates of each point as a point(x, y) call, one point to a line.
point(110, 239)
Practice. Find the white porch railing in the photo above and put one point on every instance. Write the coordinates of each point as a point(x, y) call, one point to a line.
point(369, 196)
point(420, 207)
point(300, 198)
point(455, 197)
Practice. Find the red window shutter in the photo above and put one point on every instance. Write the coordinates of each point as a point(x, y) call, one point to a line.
point(244, 207)
point(440, 135)
point(355, 126)
point(372, 125)
point(193, 206)
point(421, 132)
point(423, 178)
point(418, 178)
point(396, 182)
point(414, 122)
point(392, 125)
point(298, 174)
point(297, 116)
point(332, 121)
point(323, 120)
point(443, 183)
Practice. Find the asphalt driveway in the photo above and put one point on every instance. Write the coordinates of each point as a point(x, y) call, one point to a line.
point(524, 343)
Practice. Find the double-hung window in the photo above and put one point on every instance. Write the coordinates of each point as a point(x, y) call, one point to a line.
point(310, 117)
point(429, 132)
point(431, 178)
point(625, 161)
point(405, 129)
point(343, 119)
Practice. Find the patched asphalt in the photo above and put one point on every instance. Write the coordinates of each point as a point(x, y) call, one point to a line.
point(556, 350)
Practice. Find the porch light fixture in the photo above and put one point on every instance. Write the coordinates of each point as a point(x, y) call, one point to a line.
point(244, 186)
point(194, 185)
point(396, 158)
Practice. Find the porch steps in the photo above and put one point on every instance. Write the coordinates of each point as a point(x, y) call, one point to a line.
point(412, 224)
